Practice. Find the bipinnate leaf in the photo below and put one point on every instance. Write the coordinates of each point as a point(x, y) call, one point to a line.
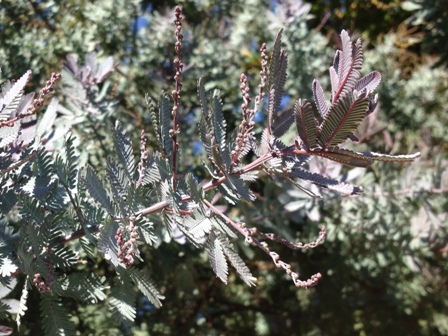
point(283, 123)
point(9, 134)
point(165, 123)
point(55, 318)
point(219, 123)
point(15, 90)
point(147, 287)
point(237, 262)
point(217, 258)
point(343, 119)
point(327, 183)
point(152, 173)
point(344, 156)
point(391, 158)
point(277, 86)
point(240, 188)
point(319, 99)
point(10, 111)
point(67, 169)
point(97, 191)
point(122, 299)
point(198, 225)
point(202, 96)
point(195, 190)
point(118, 178)
point(123, 147)
point(306, 123)
point(369, 82)
point(82, 286)
point(346, 67)
point(275, 60)
point(361, 159)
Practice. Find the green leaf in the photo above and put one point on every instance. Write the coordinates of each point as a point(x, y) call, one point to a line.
point(8, 199)
point(217, 258)
point(107, 243)
point(195, 190)
point(165, 123)
point(237, 262)
point(146, 285)
point(122, 299)
point(81, 286)
point(67, 169)
point(124, 149)
point(55, 318)
point(219, 123)
point(152, 173)
point(118, 178)
point(96, 189)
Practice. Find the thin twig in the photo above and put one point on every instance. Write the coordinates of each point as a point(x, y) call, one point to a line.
point(248, 235)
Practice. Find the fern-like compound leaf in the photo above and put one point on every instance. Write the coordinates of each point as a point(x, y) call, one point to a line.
point(9, 134)
point(369, 82)
point(325, 182)
point(319, 99)
point(118, 178)
point(283, 123)
point(195, 190)
point(346, 67)
point(107, 244)
point(198, 225)
point(123, 147)
point(55, 318)
point(238, 186)
point(237, 263)
point(14, 91)
point(275, 60)
point(147, 287)
point(23, 303)
point(81, 286)
point(67, 168)
point(165, 123)
point(152, 173)
point(343, 119)
point(306, 123)
point(217, 258)
point(344, 156)
point(96, 189)
point(122, 299)
point(219, 123)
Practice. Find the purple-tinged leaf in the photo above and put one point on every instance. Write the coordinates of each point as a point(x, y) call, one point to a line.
point(343, 119)
point(306, 123)
point(369, 82)
point(319, 98)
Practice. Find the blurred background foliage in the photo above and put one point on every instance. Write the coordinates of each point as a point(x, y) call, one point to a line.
point(384, 260)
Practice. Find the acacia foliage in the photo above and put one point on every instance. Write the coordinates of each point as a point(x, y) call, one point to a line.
point(118, 173)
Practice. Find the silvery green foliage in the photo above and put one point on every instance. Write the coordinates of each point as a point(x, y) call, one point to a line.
point(57, 201)
point(426, 88)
